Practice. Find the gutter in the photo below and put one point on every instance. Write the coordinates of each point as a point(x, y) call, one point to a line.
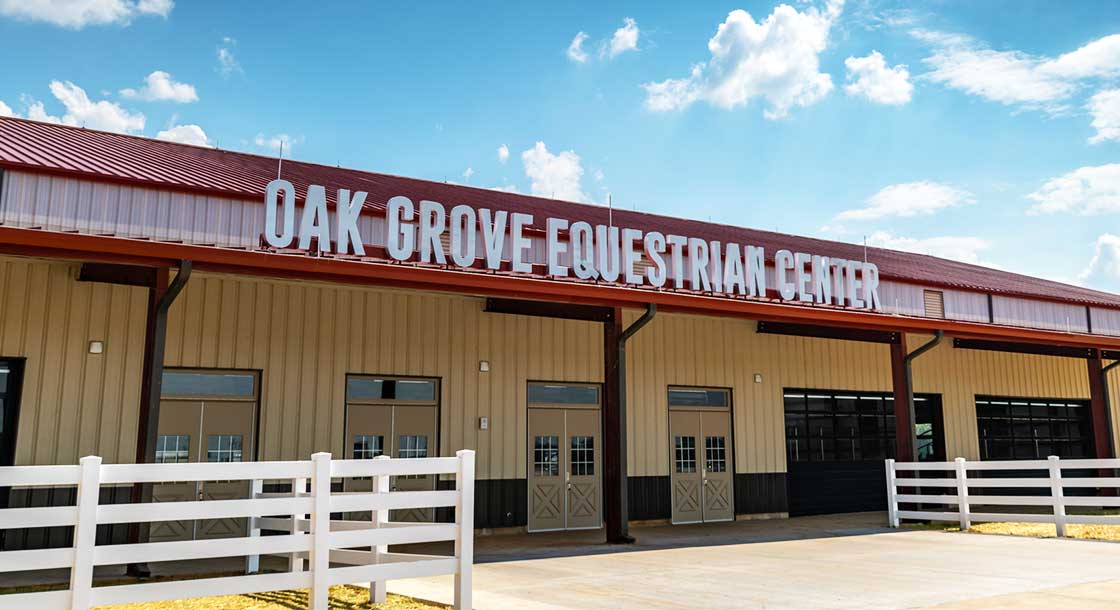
point(623, 533)
point(938, 335)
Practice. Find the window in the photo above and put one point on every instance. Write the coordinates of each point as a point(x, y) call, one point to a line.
point(1033, 428)
point(698, 397)
point(546, 456)
point(173, 448)
point(413, 446)
point(715, 454)
point(685, 453)
point(380, 388)
point(563, 394)
point(827, 426)
point(583, 456)
point(368, 446)
point(934, 301)
point(223, 448)
point(201, 383)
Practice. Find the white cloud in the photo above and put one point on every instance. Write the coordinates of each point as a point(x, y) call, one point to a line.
point(160, 87)
point(597, 175)
point(227, 63)
point(556, 176)
point(909, 199)
point(1014, 77)
point(1103, 271)
point(777, 59)
point(84, 112)
point(624, 39)
point(959, 248)
point(872, 78)
point(77, 14)
point(575, 48)
point(277, 142)
point(1086, 190)
point(6, 110)
point(467, 173)
point(185, 134)
point(503, 153)
point(1105, 108)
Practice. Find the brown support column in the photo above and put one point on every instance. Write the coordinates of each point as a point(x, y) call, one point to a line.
point(155, 293)
point(1098, 406)
point(903, 432)
point(614, 436)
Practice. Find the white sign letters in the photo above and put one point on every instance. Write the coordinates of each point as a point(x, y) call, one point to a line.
point(576, 249)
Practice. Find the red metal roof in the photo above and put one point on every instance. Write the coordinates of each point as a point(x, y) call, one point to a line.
point(136, 160)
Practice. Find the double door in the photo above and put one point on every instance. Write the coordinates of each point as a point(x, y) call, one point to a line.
point(398, 431)
point(564, 467)
point(203, 431)
point(701, 471)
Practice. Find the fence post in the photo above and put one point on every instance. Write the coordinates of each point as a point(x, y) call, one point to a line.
point(85, 533)
point(295, 560)
point(320, 530)
point(464, 537)
point(378, 591)
point(892, 495)
point(962, 494)
point(253, 562)
point(1057, 494)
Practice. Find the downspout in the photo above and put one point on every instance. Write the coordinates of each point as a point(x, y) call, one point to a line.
point(624, 508)
point(938, 335)
point(152, 385)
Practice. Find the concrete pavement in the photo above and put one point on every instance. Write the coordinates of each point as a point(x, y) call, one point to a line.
point(841, 562)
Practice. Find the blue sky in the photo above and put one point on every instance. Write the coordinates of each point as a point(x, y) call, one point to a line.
point(983, 131)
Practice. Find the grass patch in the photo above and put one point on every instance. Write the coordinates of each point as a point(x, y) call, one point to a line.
point(1032, 530)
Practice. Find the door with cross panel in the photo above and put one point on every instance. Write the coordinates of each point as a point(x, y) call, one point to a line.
point(565, 490)
point(701, 476)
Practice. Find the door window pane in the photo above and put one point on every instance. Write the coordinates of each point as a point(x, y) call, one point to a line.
point(191, 383)
point(368, 446)
point(546, 456)
point(583, 456)
point(685, 453)
point(562, 394)
point(715, 454)
point(413, 446)
point(173, 448)
point(223, 448)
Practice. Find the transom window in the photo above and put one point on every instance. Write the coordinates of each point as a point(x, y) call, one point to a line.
point(685, 453)
point(583, 456)
point(392, 389)
point(1032, 428)
point(546, 456)
point(211, 384)
point(173, 448)
point(563, 394)
point(368, 446)
point(715, 454)
point(698, 397)
point(223, 448)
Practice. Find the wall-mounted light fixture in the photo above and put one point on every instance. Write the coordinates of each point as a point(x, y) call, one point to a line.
point(96, 347)
point(484, 366)
point(758, 377)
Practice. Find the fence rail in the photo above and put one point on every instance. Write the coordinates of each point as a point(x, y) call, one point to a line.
point(949, 485)
point(310, 540)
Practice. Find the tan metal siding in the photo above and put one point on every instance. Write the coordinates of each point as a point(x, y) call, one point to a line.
point(305, 337)
point(1039, 314)
point(73, 403)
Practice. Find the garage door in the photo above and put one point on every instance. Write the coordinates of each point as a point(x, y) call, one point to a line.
point(836, 442)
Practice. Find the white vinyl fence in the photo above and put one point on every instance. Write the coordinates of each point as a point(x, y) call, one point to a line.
point(305, 518)
point(958, 488)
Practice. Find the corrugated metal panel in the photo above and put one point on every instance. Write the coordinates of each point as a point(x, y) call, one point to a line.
point(74, 403)
point(901, 299)
point(967, 306)
point(165, 165)
point(1039, 314)
point(1105, 321)
point(306, 337)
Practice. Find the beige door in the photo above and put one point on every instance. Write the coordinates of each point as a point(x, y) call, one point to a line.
point(701, 474)
point(717, 489)
point(227, 435)
point(564, 467)
point(414, 436)
point(582, 467)
point(176, 441)
point(685, 472)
